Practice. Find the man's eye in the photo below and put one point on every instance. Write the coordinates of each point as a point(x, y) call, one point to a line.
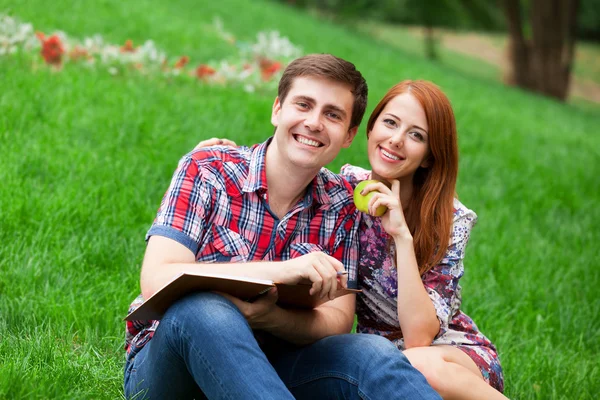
point(333, 115)
point(302, 105)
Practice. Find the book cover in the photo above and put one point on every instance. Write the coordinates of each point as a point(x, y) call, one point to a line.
point(292, 296)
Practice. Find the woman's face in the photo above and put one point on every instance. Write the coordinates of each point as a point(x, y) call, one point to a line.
point(398, 144)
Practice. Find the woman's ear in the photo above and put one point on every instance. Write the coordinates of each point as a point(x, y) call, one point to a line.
point(426, 162)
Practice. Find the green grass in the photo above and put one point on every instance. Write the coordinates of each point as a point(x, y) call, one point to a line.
point(87, 156)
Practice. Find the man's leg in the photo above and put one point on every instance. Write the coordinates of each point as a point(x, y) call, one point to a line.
point(203, 341)
point(353, 366)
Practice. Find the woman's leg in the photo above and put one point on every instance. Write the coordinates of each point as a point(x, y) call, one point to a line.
point(451, 372)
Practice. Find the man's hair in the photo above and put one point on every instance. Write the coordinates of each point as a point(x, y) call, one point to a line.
point(329, 67)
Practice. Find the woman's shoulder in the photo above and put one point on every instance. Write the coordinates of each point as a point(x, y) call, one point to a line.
point(354, 174)
point(463, 214)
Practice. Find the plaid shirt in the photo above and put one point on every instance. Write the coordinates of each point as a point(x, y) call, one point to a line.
point(217, 206)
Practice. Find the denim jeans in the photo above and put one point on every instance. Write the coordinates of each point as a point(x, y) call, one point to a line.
point(204, 348)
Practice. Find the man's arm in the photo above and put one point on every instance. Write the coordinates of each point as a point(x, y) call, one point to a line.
point(300, 327)
point(166, 258)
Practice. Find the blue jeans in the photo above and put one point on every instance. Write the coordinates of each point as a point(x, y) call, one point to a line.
point(204, 348)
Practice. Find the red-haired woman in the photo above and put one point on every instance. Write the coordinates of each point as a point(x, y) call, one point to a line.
point(411, 258)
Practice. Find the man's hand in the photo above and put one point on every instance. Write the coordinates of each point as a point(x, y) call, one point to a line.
point(318, 268)
point(256, 313)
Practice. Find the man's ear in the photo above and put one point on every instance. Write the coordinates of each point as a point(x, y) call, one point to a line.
point(350, 137)
point(275, 112)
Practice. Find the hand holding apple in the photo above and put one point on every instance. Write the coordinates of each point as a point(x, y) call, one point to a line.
point(362, 201)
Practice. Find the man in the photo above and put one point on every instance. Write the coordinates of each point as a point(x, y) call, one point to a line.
point(273, 204)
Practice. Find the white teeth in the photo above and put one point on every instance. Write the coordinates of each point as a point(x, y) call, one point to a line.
point(389, 155)
point(308, 142)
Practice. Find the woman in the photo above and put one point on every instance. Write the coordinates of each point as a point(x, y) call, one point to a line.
point(409, 280)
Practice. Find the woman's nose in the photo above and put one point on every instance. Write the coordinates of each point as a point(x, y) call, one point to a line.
point(397, 140)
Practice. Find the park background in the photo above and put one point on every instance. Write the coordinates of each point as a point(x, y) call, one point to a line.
point(88, 148)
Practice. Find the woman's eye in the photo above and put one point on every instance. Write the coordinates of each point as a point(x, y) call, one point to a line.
point(418, 136)
point(389, 122)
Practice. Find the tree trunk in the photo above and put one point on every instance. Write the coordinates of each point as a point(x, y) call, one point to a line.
point(542, 63)
point(430, 43)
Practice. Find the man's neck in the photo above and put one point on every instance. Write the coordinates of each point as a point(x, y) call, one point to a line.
point(286, 184)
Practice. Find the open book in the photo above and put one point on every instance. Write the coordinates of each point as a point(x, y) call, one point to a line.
point(292, 296)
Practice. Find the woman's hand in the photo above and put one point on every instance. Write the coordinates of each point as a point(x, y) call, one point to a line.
point(393, 220)
point(215, 142)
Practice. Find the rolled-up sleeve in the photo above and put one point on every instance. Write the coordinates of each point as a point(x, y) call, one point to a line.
point(183, 211)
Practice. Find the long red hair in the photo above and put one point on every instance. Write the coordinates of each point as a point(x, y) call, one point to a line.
point(430, 212)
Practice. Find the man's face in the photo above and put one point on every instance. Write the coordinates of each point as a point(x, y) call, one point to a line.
point(313, 122)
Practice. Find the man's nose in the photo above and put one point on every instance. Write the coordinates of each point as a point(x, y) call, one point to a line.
point(313, 121)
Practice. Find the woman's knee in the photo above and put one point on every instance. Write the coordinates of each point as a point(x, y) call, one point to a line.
point(433, 366)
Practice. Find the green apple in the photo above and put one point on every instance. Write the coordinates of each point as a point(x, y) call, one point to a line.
point(362, 202)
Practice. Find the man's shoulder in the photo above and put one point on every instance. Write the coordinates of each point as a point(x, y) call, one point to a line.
point(354, 174)
point(215, 155)
point(337, 189)
point(222, 167)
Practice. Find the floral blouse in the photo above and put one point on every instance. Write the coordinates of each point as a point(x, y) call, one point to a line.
point(377, 309)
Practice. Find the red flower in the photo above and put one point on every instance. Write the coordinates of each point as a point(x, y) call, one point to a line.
point(268, 68)
point(52, 49)
point(128, 47)
point(203, 71)
point(181, 62)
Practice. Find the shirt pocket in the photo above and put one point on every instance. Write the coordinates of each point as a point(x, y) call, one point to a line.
point(300, 249)
point(230, 245)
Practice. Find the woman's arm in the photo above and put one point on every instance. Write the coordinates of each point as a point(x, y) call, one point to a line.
point(416, 313)
point(215, 142)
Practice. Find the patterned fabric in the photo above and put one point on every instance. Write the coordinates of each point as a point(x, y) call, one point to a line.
point(217, 206)
point(377, 309)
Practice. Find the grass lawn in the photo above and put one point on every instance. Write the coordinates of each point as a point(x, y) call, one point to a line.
point(87, 156)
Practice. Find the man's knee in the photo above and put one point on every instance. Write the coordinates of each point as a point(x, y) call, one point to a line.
point(203, 310)
point(373, 347)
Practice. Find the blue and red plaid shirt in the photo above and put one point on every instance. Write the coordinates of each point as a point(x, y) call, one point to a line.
point(217, 207)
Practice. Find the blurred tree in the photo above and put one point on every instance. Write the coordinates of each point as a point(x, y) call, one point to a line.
point(542, 60)
point(588, 20)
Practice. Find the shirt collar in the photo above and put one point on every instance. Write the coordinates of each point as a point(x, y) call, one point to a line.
point(257, 177)
point(257, 173)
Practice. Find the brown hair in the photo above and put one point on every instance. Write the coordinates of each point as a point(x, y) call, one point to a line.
point(329, 67)
point(431, 209)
